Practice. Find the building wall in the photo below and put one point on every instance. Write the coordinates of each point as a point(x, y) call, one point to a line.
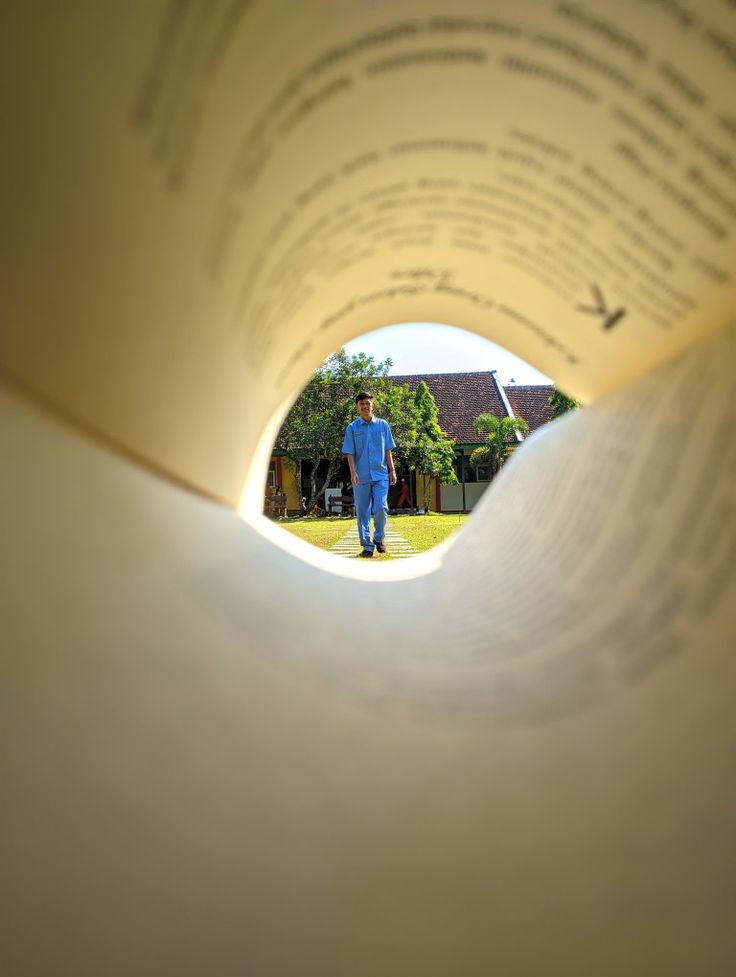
point(442, 498)
point(452, 496)
point(434, 502)
point(449, 498)
point(289, 485)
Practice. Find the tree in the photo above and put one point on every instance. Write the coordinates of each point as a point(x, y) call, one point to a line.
point(395, 403)
point(500, 439)
point(315, 426)
point(561, 403)
point(430, 452)
point(302, 433)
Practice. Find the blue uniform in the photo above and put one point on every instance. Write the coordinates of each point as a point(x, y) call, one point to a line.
point(368, 442)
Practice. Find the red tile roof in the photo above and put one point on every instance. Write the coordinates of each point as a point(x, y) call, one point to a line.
point(461, 397)
point(531, 403)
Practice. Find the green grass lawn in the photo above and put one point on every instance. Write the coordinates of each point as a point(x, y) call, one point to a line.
point(423, 532)
point(319, 532)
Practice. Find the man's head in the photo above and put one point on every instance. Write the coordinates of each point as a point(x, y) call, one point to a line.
point(364, 403)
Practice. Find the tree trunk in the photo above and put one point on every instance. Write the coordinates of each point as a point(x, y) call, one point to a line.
point(332, 467)
point(427, 492)
point(313, 484)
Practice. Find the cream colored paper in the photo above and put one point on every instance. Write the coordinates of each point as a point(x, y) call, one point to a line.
point(525, 756)
point(202, 201)
point(221, 757)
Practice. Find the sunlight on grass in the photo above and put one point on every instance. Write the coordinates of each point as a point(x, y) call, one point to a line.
point(423, 532)
point(319, 532)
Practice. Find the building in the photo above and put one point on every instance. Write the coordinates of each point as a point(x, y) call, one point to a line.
point(460, 398)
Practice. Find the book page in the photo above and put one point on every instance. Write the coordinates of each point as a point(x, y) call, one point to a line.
point(203, 200)
point(522, 763)
point(212, 764)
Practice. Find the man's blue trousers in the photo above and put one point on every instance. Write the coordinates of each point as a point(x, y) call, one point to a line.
point(371, 499)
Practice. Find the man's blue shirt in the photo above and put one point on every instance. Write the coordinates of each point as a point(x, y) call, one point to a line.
point(368, 442)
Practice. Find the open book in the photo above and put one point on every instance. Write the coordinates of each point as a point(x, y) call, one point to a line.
point(511, 756)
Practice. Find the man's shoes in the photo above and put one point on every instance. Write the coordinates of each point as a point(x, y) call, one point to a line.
point(381, 547)
point(366, 555)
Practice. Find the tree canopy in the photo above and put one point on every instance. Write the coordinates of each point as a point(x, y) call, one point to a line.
point(561, 403)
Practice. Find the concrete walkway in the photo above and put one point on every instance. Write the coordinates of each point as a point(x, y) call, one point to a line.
point(349, 544)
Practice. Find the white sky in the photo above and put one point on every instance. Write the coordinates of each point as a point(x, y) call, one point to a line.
point(426, 347)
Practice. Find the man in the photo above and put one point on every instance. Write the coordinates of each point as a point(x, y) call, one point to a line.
point(404, 499)
point(368, 443)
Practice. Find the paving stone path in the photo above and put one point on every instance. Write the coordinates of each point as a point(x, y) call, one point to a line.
point(349, 544)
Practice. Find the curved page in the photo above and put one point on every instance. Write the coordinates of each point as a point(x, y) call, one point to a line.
point(222, 759)
point(204, 200)
point(219, 760)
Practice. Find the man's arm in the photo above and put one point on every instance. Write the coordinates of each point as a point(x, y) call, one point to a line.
point(353, 474)
point(348, 449)
point(390, 443)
